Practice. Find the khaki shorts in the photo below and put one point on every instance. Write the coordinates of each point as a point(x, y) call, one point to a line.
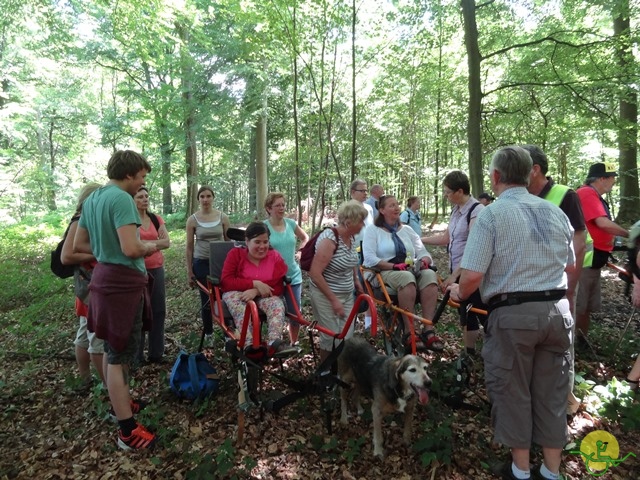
point(323, 314)
point(589, 298)
point(88, 340)
point(397, 279)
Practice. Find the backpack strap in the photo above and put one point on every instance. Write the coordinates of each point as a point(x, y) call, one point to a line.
point(337, 235)
point(473, 207)
point(194, 376)
point(154, 220)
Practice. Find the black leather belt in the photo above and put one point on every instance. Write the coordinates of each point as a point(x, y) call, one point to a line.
point(516, 298)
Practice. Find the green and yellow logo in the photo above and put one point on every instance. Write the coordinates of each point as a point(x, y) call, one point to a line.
point(600, 451)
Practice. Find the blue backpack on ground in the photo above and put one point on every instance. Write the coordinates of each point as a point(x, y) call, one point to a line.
point(193, 377)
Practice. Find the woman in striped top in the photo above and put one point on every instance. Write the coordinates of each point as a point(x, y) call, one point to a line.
point(333, 273)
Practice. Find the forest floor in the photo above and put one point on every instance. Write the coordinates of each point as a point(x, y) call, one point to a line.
point(52, 429)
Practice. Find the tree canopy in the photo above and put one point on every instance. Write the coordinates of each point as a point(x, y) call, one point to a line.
point(303, 96)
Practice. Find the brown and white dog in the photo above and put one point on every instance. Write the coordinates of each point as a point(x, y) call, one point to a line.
point(395, 384)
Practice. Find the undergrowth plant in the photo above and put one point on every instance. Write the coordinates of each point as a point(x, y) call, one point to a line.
point(223, 465)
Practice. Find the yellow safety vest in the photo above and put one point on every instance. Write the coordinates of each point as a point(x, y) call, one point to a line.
point(555, 196)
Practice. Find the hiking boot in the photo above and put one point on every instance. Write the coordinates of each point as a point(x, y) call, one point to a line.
point(140, 438)
point(136, 407)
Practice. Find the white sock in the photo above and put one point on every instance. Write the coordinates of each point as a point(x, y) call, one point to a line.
point(367, 322)
point(546, 473)
point(520, 474)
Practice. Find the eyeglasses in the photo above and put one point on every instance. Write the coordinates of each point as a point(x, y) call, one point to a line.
point(361, 191)
point(447, 192)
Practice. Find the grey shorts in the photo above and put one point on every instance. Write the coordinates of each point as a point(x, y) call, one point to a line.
point(129, 353)
point(527, 362)
point(588, 298)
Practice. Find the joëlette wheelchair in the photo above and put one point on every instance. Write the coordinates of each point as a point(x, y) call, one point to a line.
point(390, 314)
point(253, 360)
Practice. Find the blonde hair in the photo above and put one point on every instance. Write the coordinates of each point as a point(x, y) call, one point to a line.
point(87, 190)
point(351, 211)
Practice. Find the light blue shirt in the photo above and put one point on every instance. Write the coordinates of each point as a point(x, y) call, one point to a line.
point(411, 218)
point(285, 243)
point(521, 243)
point(371, 201)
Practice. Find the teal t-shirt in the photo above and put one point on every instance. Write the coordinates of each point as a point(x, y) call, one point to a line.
point(285, 243)
point(103, 212)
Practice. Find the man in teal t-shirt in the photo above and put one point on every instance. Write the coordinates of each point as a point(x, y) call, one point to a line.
point(108, 227)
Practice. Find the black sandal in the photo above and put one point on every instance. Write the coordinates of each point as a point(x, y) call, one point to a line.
point(633, 384)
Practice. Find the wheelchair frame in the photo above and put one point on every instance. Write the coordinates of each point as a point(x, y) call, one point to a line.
point(392, 325)
point(251, 360)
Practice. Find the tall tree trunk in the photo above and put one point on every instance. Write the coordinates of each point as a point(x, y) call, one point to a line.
point(252, 168)
point(353, 90)
point(475, 95)
point(191, 151)
point(296, 125)
point(50, 190)
point(165, 155)
point(261, 157)
point(628, 122)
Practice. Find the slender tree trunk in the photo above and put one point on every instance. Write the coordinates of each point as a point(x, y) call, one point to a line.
point(165, 155)
point(252, 168)
point(475, 96)
point(50, 190)
point(628, 122)
point(261, 157)
point(353, 90)
point(296, 125)
point(191, 151)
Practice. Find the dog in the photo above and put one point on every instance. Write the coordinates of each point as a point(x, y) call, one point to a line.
point(395, 384)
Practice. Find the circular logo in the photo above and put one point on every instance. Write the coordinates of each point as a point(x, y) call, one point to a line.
point(599, 449)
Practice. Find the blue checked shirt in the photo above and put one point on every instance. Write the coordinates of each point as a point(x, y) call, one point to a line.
point(521, 243)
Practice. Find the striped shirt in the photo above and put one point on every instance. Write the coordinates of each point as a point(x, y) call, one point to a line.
point(339, 272)
point(521, 243)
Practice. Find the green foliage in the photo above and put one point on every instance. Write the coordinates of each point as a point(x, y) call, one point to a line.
point(437, 443)
point(328, 449)
point(222, 466)
point(354, 448)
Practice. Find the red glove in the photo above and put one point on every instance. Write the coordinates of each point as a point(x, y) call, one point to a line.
point(400, 266)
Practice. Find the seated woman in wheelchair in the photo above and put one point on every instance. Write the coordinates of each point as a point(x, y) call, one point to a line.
point(256, 272)
point(391, 247)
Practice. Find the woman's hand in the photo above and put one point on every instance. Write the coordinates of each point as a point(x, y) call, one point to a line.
point(263, 289)
point(249, 294)
point(338, 308)
point(425, 262)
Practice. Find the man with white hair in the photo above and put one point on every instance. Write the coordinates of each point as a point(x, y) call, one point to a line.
point(521, 275)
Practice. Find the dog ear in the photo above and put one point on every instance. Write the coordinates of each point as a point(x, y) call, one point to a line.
point(399, 367)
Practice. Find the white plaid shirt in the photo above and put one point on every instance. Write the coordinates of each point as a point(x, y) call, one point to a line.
point(521, 243)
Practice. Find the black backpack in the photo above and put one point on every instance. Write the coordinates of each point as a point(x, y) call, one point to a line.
point(60, 270)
